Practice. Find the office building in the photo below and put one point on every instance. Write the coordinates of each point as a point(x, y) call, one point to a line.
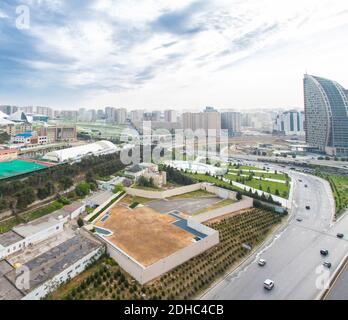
point(326, 111)
point(231, 121)
point(170, 116)
point(202, 120)
point(290, 123)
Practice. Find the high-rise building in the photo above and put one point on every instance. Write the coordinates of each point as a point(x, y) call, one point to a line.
point(9, 109)
point(110, 114)
point(69, 115)
point(231, 121)
point(202, 120)
point(121, 116)
point(326, 109)
point(290, 122)
point(137, 115)
point(100, 114)
point(45, 111)
point(156, 115)
point(170, 116)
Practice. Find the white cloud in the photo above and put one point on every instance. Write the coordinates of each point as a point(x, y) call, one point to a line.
point(119, 50)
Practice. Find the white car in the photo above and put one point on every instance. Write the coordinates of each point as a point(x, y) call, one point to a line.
point(262, 262)
point(268, 284)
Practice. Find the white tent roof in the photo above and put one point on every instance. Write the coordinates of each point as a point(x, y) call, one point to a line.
point(4, 122)
point(81, 151)
point(18, 116)
point(3, 115)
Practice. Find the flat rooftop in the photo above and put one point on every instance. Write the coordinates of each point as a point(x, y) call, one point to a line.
point(144, 234)
point(9, 238)
point(35, 226)
point(7, 290)
point(54, 261)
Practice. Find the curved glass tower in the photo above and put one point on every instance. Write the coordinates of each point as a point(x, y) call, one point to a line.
point(326, 112)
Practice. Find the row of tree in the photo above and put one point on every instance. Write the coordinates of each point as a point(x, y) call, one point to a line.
point(18, 193)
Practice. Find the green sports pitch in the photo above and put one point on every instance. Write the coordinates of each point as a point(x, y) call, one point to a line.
point(18, 167)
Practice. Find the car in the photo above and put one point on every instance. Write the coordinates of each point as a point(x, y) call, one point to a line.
point(299, 180)
point(262, 262)
point(308, 207)
point(299, 219)
point(324, 252)
point(305, 186)
point(268, 284)
point(327, 264)
point(340, 235)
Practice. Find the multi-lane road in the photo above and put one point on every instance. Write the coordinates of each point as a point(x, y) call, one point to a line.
point(293, 255)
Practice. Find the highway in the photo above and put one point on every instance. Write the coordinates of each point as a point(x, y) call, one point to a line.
point(293, 255)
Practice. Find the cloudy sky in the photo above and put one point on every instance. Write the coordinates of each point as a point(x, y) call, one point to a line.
point(170, 54)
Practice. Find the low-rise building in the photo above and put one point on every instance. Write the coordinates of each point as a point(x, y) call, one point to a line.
point(147, 170)
point(8, 154)
point(42, 274)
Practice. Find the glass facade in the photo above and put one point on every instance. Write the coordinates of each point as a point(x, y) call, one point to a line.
point(326, 108)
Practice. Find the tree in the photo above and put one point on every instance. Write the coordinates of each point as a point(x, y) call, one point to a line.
point(46, 191)
point(83, 189)
point(4, 137)
point(25, 198)
point(118, 188)
point(239, 196)
point(80, 222)
point(65, 182)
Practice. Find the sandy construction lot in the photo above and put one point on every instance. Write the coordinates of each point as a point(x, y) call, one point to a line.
point(144, 234)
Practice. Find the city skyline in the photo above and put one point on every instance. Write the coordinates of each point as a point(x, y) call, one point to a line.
point(171, 56)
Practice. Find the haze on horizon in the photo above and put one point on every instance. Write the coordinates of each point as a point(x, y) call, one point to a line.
point(180, 54)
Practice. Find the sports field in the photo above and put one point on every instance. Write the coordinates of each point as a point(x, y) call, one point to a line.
point(17, 167)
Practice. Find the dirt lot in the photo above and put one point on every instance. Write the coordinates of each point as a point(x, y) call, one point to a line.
point(145, 234)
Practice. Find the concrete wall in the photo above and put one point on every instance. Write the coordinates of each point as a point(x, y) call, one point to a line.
point(96, 210)
point(246, 203)
point(163, 194)
point(78, 212)
point(220, 192)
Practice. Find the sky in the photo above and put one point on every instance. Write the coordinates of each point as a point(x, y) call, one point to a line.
point(160, 54)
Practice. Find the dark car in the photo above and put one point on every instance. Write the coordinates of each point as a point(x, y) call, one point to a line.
point(327, 264)
point(324, 252)
point(340, 235)
point(299, 219)
point(308, 207)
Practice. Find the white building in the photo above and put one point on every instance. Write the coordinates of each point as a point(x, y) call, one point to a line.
point(77, 153)
point(170, 116)
point(290, 123)
point(198, 167)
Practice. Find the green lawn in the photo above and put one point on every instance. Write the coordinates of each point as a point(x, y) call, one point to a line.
point(263, 185)
point(277, 176)
point(248, 168)
point(339, 185)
